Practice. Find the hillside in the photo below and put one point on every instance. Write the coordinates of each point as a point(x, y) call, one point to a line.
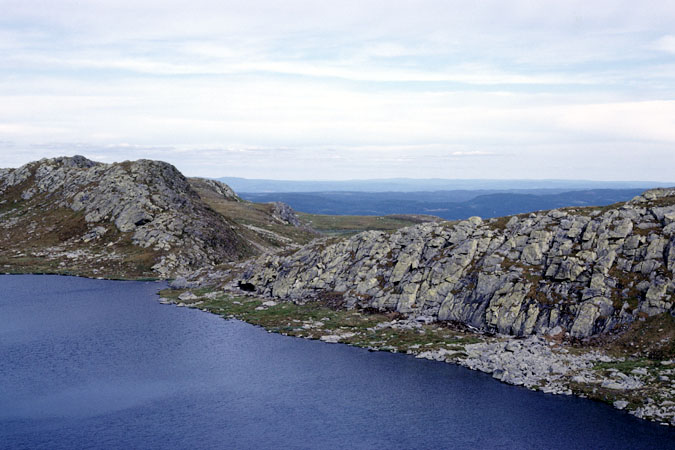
point(132, 219)
point(449, 205)
point(581, 270)
point(139, 219)
point(251, 185)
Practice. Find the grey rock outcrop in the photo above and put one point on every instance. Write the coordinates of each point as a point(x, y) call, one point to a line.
point(285, 214)
point(147, 202)
point(583, 271)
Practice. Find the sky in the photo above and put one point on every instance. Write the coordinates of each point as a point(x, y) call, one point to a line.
point(344, 89)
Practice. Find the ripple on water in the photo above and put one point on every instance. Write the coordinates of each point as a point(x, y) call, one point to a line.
point(100, 364)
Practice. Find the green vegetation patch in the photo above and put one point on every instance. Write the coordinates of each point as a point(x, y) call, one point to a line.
point(316, 319)
point(626, 366)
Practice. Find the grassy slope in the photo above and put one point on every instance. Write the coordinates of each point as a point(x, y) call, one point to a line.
point(259, 215)
point(339, 225)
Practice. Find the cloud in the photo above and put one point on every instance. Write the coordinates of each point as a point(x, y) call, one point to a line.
point(665, 44)
point(473, 153)
point(627, 121)
point(342, 88)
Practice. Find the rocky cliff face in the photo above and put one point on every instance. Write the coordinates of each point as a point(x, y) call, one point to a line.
point(140, 218)
point(581, 271)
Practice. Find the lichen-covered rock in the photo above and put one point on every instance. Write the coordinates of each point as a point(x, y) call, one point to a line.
point(150, 203)
point(578, 270)
point(285, 214)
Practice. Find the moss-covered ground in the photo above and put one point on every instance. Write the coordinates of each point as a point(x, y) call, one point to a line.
point(315, 320)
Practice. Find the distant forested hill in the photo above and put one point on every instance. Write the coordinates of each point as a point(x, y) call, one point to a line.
point(429, 185)
point(450, 205)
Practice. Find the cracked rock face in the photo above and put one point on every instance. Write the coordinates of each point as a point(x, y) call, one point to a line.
point(584, 271)
point(150, 201)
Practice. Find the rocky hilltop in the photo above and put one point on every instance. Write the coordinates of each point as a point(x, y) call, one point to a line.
point(139, 218)
point(576, 271)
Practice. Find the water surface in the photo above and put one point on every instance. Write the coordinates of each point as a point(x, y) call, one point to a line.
point(101, 364)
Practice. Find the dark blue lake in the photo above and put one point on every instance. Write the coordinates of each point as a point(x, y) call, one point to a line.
point(101, 364)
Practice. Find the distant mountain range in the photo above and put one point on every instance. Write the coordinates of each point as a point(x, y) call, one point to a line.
point(450, 205)
point(428, 185)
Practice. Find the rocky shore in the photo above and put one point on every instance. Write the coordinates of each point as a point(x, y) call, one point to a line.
point(581, 300)
point(643, 387)
point(537, 363)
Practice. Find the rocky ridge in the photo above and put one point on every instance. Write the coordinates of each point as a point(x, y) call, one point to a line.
point(581, 272)
point(106, 209)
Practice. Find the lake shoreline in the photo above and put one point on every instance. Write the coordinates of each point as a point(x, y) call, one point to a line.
point(99, 364)
point(540, 363)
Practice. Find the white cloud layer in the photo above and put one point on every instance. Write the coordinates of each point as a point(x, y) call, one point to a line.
point(666, 44)
point(350, 89)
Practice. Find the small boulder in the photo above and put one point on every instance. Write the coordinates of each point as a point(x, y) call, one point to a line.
point(620, 404)
point(556, 331)
point(185, 296)
point(178, 283)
